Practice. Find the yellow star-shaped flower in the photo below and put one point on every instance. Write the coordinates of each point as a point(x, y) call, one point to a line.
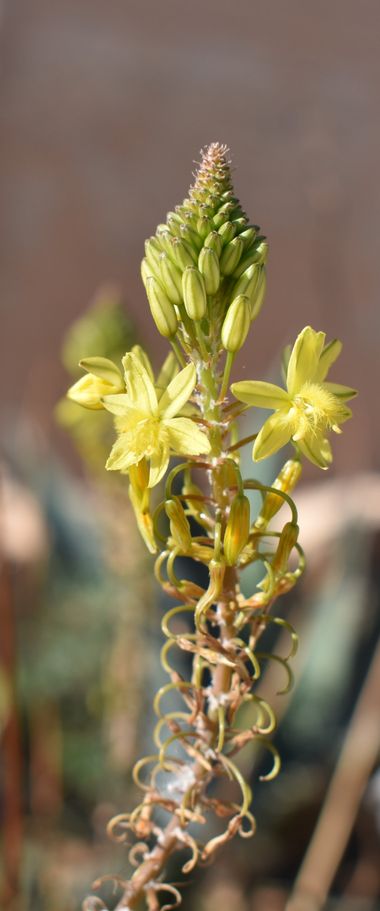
point(308, 408)
point(148, 422)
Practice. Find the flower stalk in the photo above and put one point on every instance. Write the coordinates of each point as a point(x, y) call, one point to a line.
point(204, 273)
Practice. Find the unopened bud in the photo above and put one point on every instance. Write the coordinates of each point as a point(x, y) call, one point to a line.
point(208, 264)
point(204, 226)
point(152, 252)
point(286, 481)
point(247, 283)
point(179, 525)
point(147, 271)
point(162, 309)
point(194, 293)
point(214, 242)
point(287, 540)
point(183, 254)
point(191, 237)
point(237, 529)
point(257, 298)
point(248, 236)
point(227, 232)
point(231, 256)
point(236, 324)
point(258, 254)
point(171, 278)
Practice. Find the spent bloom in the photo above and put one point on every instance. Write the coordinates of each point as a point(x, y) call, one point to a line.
point(148, 421)
point(308, 408)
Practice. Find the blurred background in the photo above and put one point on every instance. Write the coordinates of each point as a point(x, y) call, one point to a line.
point(103, 110)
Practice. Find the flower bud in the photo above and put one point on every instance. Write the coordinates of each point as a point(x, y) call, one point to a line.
point(248, 236)
point(174, 224)
point(257, 299)
point(147, 271)
point(166, 241)
point(194, 293)
point(247, 283)
point(179, 525)
point(183, 254)
point(230, 256)
point(162, 309)
point(152, 253)
point(214, 242)
point(227, 232)
point(191, 237)
point(236, 324)
point(171, 279)
point(237, 529)
point(208, 264)
point(286, 481)
point(257, 254)
point(204, 226)
point(287, 540)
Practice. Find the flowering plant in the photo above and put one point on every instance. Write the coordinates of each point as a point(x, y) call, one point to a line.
point(205, 273)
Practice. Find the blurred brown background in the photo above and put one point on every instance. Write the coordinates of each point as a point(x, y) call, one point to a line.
point(103, 109)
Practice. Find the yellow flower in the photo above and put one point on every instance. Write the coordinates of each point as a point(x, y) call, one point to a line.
point(308, 408)
point(147, 419)
point(102, 377)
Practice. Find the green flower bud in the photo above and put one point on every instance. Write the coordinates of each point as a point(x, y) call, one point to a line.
point(183, 254)
point(204, 226)
point(166, 241)
point(147, 271)
point(258, 298)
point(152, 253)
point(286, 481)
point(214, 242)
point(162, 309)
point(171, 279)
point(174, 224)
point(191, 237)
point(236, 324)
point(230, 256)
point(227, 232)
point(194, 293)
point(262, 251)
point(257, 255)
point(179, 525)
point(248, 281)
point(237, 529)
point(248, 236)
point(208, 264)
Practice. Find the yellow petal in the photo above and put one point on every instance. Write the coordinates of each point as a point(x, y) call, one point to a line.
point(122, 456)
point(140, 388)
point(178, 392)
point(274, 434)
point(317, 449)
point(119, 404)
point(142, 356)
point(327, 358)
point(185, 437)
point(262, 395)
point(304, 359)
point(105, 369)
point(344, 393)
point(158, 465)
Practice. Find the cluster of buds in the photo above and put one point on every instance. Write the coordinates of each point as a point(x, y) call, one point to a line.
point(204, 273)
point(204, 269)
